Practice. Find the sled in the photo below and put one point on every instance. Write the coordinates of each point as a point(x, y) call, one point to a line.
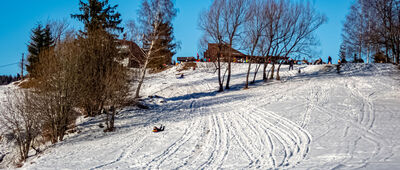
point(179, 76)
point(156, 129)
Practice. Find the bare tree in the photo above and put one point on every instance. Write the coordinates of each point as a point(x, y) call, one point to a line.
point(373, 26)
point(298, 30)
point(153, 14)
point(59, 88)
point(354, 25)
point(59, 29)
point(21, 120)
point(116, 93)
point(211, 23)
point(233, 17)
point(274, 11)
point(253, 30)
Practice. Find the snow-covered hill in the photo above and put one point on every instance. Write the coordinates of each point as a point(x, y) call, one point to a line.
point(317, 119)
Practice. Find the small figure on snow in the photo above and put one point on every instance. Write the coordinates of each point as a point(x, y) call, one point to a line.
point(291, 63)
point(338, 66)
point(156, 129)
point(329, 60)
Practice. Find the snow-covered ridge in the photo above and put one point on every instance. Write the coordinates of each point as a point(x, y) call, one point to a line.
point(314, 119)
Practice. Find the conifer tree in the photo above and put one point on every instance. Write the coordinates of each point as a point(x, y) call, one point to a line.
point(41, 39)
point(166, 44)
point(153, 34)
point(48, 40)
point(98, 15)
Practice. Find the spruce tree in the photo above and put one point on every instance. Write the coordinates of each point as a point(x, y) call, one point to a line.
point(166, 44)
point(41, 39)
point(48, 40)
point(98, 15)
point(156, 23)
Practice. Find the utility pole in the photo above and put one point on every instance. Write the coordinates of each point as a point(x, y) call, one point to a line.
point(22, 67)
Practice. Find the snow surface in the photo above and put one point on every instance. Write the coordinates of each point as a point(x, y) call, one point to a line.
point(8, 152)
point(317, 119)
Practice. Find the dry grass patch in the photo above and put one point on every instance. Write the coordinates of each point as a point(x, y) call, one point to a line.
point(187, 66)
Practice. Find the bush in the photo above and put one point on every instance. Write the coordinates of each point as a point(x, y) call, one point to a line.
point(379, 57)
point(20, 117)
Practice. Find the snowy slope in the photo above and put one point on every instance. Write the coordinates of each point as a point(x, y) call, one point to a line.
point(8, 153)
point(318, 119)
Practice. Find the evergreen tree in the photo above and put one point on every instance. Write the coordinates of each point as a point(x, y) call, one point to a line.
point(4, 80)
point(41, 39)
point(166, 44)
point(47, 37)
point(156, 24)
point(98, 15)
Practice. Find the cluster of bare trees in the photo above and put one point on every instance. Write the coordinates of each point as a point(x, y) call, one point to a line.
point(80, 72)
point(372, 28)
point(77, 74)
point(20, 118)
point(269, 29)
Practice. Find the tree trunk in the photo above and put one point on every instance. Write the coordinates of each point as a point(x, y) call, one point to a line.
point(265, 72)
point(221, 85)
point(278, 77)
point(272, 70)
point(229, 69)
point(141, 80)
point(247, 76)
point(265, 76)
point(112, 119)
point(255, 73)
point(368, 53)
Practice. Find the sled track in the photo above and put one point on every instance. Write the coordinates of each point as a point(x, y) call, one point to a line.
point(220, 144)
point(296, 138)
point(281, 143)
point(202, 140)
point(257, 154)
point(380, 152)
point(187, 135)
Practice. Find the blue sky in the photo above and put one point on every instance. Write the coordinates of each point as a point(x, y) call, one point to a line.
point(18, 17)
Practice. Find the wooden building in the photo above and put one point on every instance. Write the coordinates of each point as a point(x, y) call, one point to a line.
point(210, 55)
point(132, 52)
point(186, 59)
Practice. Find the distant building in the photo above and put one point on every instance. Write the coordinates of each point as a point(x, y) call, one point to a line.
point(186, 59)
point(210, 55)
point(132, 52)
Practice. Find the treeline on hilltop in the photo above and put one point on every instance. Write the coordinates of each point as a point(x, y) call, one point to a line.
point(4, 80)
point(371, 32)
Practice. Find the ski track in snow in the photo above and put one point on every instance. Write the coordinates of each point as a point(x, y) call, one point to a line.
point(212, 134)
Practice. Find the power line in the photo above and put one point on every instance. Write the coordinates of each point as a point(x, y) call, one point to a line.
point(8, 65)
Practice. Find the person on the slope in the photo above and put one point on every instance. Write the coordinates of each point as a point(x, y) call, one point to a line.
point(338, 66)
point(156, 129)
point(291, 63)
point(329, 60)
